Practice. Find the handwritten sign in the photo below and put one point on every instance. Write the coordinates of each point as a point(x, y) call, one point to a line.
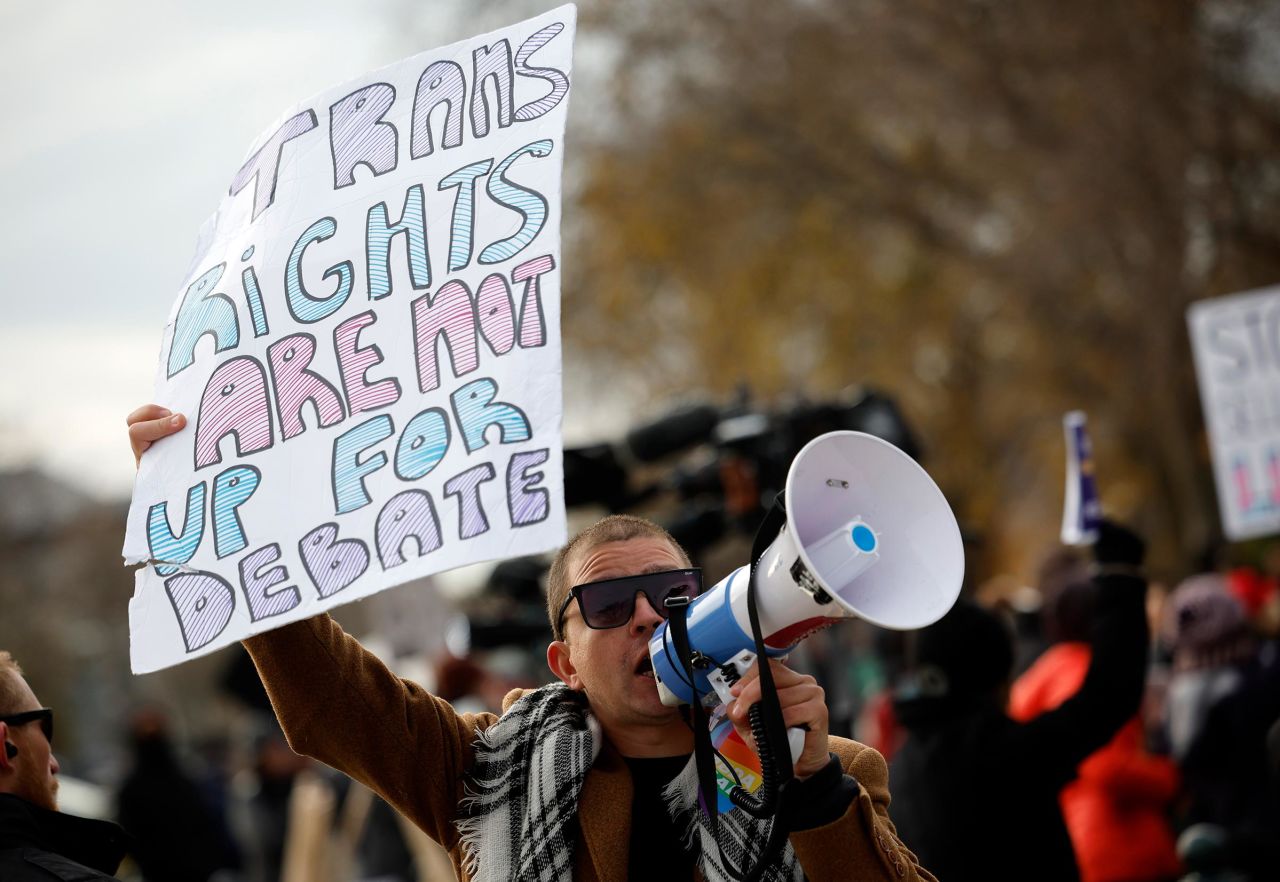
point(367, 348)
point(1236, 342)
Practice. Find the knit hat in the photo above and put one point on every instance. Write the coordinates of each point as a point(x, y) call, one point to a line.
point(970, 648)
point(1205, 625)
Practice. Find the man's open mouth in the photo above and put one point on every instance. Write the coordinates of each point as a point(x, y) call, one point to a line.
point(644, 667)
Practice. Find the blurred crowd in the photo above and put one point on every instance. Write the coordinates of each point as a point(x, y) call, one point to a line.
point(243, 807)
point(1186, 788)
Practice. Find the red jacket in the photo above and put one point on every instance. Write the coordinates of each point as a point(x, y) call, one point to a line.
point(1115, 809)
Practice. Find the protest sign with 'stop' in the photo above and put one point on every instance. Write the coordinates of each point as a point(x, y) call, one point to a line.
point(367, 348)
point(1236, 342)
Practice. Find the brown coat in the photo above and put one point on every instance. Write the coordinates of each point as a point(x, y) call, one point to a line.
point(339, 703)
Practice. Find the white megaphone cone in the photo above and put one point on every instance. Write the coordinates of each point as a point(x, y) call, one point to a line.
point(868, 534)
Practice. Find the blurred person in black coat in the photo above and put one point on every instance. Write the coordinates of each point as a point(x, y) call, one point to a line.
point(975, 793)
point(38, 842)
point(178, 837)
point(1223, 704)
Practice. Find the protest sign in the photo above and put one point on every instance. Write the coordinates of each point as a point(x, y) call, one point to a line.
point(1236, 342)
point(367, 347)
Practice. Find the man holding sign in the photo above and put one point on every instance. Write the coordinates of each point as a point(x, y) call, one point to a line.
point(364, 372)
point(568, 783)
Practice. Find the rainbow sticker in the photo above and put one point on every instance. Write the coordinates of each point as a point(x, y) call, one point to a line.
point(736, 758)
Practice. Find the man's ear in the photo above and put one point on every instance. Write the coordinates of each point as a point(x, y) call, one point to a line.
point(5, 759)
point(560, 660)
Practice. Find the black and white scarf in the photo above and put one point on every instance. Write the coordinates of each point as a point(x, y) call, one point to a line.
point(520, 799)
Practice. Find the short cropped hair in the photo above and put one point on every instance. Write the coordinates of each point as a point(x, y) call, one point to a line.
point(614, 528)
point(10, 673)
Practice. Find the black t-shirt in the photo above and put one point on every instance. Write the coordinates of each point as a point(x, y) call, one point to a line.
point(658, 849)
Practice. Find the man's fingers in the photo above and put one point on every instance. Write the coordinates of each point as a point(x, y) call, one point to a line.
point(803, 714)
point(803, 703)
point(146, 412)
point(791, 696)
point(154, 430)
point(143, 433)
point(796, 692)
point(782, 676)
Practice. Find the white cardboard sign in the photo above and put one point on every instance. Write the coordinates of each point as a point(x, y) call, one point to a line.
point(367, 348)
point(1236, 342)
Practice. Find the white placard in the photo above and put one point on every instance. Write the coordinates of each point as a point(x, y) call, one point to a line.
point(1236, 343)
point(367, 347)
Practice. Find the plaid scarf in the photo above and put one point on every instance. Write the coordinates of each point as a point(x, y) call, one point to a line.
point(521, 798)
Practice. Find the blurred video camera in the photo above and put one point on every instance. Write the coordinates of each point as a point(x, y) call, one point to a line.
point(732, 460)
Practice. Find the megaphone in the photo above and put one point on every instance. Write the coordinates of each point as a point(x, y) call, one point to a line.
point(868, 534)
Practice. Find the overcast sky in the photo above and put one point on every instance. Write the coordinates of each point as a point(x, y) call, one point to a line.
point(124, 124)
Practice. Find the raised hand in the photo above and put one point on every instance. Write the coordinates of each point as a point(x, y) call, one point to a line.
point(803, 704)
point(148, 424)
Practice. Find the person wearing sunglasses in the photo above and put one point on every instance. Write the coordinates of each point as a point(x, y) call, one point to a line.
point(38, 842)
point(571, 781)
point(606, 593)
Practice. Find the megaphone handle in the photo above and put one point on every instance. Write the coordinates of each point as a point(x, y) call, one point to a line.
point(795, 737)
point(722, 682)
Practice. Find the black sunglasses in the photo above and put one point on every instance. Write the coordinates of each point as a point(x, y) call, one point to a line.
point(610, 603)
point(44, 715)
